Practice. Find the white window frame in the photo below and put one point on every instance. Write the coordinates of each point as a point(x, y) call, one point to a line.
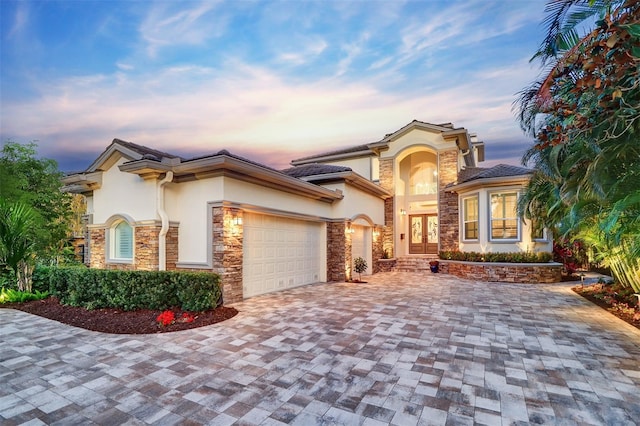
point(516, 217)
point(114, 240)
point(545, 234)
point(464, 217)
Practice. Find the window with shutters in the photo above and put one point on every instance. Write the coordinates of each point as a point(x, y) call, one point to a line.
point(122, 239)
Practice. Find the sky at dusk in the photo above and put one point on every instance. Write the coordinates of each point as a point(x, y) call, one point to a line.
point(272, 81)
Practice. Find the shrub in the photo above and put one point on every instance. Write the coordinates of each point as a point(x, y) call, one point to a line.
point(517, 257)
point(10, 295)
point(130, 290)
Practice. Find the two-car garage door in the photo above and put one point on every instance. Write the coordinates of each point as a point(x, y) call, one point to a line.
point(280, 253)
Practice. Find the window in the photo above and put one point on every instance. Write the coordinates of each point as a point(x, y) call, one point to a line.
point(123, 241)
point(504, 218)
point(470, 218)
point(424, 179)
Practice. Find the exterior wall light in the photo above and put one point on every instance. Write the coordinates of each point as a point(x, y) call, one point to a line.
point(403, 212)
point(237, 220)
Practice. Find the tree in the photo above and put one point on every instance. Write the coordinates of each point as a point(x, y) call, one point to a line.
point(36, 183)
point(587, 149)
point(17, 241)
point(360, 266)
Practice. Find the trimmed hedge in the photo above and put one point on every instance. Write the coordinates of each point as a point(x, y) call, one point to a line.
point(130, 290)
point(524, 257)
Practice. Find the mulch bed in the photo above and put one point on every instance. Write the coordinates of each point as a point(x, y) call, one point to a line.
point(117, 321)
point(614, 299)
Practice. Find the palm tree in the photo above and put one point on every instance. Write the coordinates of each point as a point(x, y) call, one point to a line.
point(17, 245)
point(587, 151)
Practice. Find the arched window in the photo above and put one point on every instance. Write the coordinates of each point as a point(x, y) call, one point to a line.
point(423, 179)
point(122, 241)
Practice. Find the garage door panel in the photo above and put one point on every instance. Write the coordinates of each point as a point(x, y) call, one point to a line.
point(280, 253)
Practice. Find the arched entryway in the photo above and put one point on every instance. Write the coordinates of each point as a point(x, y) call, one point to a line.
point(417, 201)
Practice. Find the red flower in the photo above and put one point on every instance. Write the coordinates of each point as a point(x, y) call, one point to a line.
point(187, 317)
point(166, 318)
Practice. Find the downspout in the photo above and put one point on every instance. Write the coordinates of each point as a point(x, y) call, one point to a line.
point(164, 218)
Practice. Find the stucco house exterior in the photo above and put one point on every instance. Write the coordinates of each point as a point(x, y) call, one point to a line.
point(413, 193)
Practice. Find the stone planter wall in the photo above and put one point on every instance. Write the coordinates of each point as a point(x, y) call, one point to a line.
point(503, 272)
point(385, 265)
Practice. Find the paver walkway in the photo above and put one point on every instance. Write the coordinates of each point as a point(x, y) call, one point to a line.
point(403, 349)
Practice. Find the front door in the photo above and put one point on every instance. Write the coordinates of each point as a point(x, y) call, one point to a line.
point(423, 233)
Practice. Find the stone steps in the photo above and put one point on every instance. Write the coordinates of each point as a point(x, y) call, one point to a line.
point(414, 263)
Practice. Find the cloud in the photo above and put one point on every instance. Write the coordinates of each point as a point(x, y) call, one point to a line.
point(165, 27)
point(200, 109)
point(21, 20)
point(308, 51)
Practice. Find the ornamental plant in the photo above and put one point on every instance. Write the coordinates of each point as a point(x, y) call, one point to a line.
point(359, 265)
point(187, 317)
point(166, 318)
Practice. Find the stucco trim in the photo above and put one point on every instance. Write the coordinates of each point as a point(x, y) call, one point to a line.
point(359, 218)
point(252, 208)
point(353, 179)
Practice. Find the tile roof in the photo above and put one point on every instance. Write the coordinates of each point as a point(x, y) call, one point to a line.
point(348, 150)
point(147, 152)
point(229, 154)
point(501, 170)
point(314, 170)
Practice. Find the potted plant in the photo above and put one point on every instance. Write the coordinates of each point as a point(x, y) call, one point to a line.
point(359, 265)
point(433, 265)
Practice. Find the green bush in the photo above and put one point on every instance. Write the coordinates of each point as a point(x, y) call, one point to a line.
point(130, 290)
point(517, 257)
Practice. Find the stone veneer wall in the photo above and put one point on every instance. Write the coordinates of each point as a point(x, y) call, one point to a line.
point(386, 182)
point(97, 243)
point(171, 246)
point(228, 252)
point(146, 248)
point(145, 252)
point(503, 272)
point(338, 251)
point(448, 201)
point(377, 249)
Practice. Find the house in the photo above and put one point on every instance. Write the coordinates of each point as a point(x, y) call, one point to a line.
point(415, 192)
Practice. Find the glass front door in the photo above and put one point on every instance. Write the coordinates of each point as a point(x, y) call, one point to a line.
point(423, 233)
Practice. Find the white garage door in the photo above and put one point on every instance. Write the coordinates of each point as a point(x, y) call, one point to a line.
point(280, 253)
point(361, 246)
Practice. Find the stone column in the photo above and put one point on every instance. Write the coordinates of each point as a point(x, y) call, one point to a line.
point(228, 251)
point(338, 251)
point(97, 241)
point(377, 248)
point(386, 181)
point(448, 217)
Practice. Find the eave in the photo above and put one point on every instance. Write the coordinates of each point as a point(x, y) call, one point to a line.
point(520, 180)
point(228, 166)
point(334, 157)
point(353, 179)
point(82, 183)
point(145, 168)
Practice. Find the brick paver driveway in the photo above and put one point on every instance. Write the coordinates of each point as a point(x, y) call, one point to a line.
point(403, 349)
